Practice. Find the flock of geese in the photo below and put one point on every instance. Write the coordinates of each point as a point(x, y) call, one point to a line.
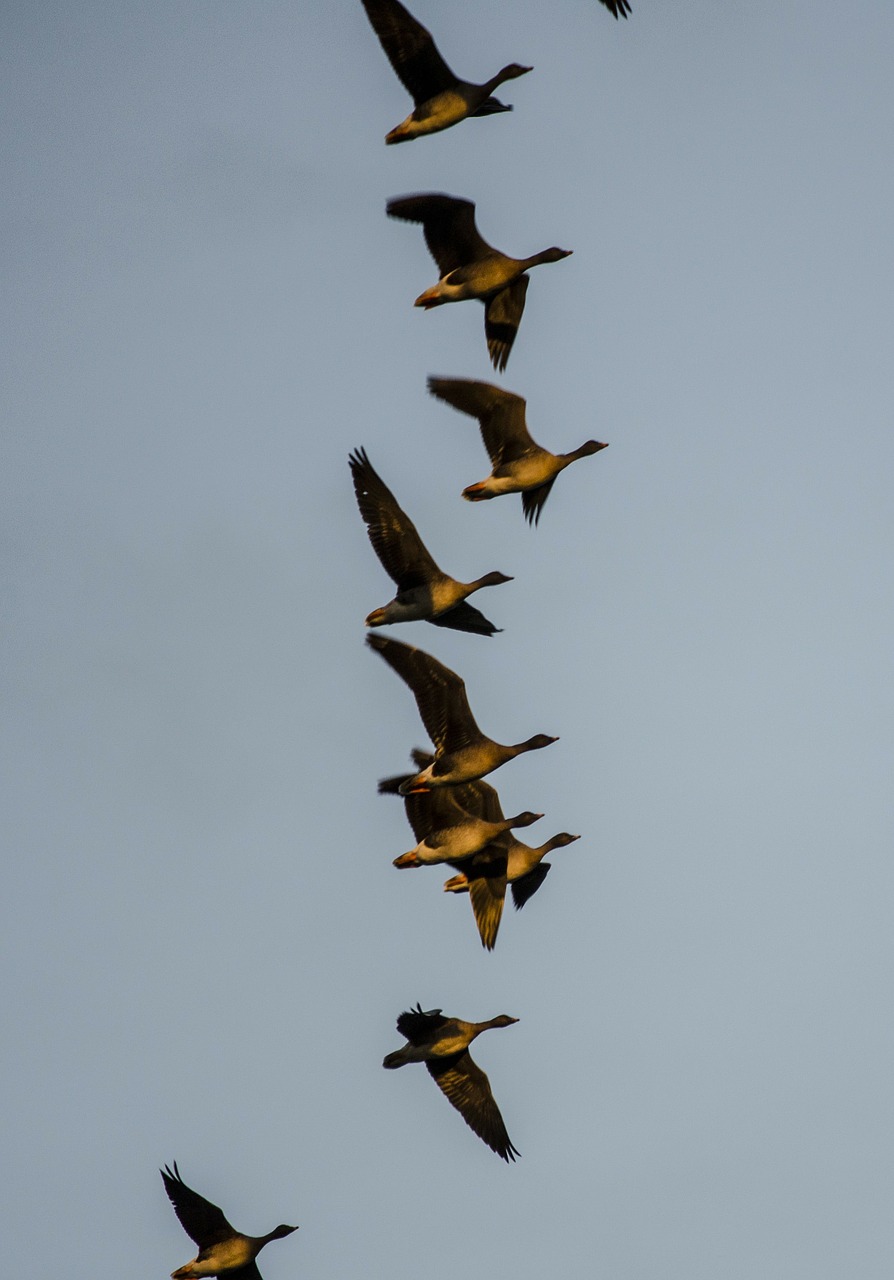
point(455, 816)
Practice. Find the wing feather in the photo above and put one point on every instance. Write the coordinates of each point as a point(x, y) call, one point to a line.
point(410, 49)
point(467, 1088)
point(203, 1222)
point(394, 537)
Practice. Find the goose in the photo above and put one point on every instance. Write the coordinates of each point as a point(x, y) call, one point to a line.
point(462, 752)
point(620, 8)
point(470, 268)
point(423, 591)
point(519, 464)
point(525, 868)
point(443, 1045)
point(223, 1251)
point(441, 98)
point(446, 830)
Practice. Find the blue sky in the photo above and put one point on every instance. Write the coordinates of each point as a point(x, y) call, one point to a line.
point(205, 310)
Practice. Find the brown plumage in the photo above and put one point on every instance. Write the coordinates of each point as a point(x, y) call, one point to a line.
point(223, 1251)
point(470, 267)
point(462, 751)
point(441, 98)
point(443, 1045)
point(424, 592)
point(519, 464)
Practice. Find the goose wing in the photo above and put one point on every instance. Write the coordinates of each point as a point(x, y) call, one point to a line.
point(250, 1272)
point(500, 414)
point(618, 7)
point(434, 810)
point(416, 1025)
point(467, 1088)
point(392, 533)
point(533, 501)
point(410, 49)
point(203, 1222)
point(439, 692)
point(449, 226)
point(465, 617)
point(526, 886)
point(502, 316)
point(486, 873)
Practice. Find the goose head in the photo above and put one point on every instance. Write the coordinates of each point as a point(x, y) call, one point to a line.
point(512, 72)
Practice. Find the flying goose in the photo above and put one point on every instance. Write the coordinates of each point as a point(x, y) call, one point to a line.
point(617, 7)
point(470, 268)
point(462, 752)
point(448, 831)
point(525, 868)
point(519, 464)
point(443, 1045)
point(423, 591)
point(441, 99)
point(223, 1251)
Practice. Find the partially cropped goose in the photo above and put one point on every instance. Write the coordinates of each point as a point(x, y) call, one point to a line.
point(443, 1045)
point(470, 267)
point(223, 1251)
point(446, 831)
point(525, 868)
point(441, 98)
point(617, 7)
point(519, 464)
point(462, 752)
point(423, 591)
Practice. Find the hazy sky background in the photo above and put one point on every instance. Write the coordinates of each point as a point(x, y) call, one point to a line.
point(205, 943)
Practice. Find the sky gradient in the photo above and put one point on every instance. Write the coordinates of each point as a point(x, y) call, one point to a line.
point(205, 310)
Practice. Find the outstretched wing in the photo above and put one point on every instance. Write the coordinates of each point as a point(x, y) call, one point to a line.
point(486, 873)
point(468, 1089)
point(618, 7)
point(417, 1024)
point(392, 533)
point(410, 49)
point(465, 617)
point(502, 316)
point(439, 692)
point(435, 810)
point(500, 414)
point(533, 501)
point(449, 226)
point(203, 1222)
point(526, 886)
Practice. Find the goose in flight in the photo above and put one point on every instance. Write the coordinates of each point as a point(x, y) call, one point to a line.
point(223, 1251)
point(470, 267)
point(519, 464)
point(448, 831)
point(525, 868)
point(443, 1045)
point(441, 99)
point(462, 751)
point(423, 591)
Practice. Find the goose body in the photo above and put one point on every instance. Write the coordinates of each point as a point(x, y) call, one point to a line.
point(519, 464)
point(448, 832)
point(441, 98)
point(443, 1045)
point(223, 1251)
point(462, 752)
point(525, 868)
point(470, 267)
point(424, 592)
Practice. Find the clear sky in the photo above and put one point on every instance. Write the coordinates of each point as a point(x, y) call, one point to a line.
point(205, 943)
